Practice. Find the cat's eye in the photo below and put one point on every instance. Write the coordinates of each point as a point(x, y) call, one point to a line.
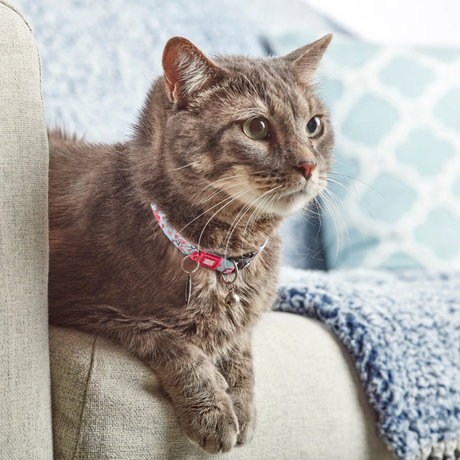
point(314, 127)
point(256, 128)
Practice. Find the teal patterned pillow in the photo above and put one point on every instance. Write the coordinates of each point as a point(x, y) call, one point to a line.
point(394, 197)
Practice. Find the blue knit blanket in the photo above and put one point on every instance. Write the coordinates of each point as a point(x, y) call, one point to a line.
point(403, 332)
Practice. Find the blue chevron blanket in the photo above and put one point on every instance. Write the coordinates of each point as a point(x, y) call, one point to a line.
point(403, 331)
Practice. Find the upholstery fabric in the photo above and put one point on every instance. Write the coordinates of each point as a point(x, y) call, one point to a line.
point(25, 406)
point(396, 175)
point(107, 404)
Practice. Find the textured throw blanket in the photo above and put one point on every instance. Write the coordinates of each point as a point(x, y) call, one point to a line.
point(403, 331)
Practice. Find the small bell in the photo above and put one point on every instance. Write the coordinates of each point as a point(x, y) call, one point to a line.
point(232, 299)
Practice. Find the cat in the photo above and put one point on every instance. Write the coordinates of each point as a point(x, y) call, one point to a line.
point(223, 151)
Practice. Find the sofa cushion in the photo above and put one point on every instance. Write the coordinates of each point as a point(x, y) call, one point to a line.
point(25, 417)
point(108, 404)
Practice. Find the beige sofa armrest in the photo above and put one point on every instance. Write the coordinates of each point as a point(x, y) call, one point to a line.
point(25, 406)
point(107, 404)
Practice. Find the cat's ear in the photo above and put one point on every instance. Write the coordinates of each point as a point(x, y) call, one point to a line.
point(306, 60)
point(187, 70)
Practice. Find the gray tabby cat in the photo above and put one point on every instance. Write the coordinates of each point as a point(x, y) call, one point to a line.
point(223, 151)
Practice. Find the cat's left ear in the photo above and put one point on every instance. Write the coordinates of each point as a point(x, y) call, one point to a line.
point(187, 70)
point(305, 61)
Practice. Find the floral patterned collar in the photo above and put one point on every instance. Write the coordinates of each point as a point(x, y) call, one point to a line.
point(206, 259)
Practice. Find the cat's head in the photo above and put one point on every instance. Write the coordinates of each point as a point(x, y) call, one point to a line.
point(251, 129)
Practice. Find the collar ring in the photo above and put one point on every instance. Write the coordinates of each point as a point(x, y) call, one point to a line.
point(235, 273)
point(190, 271)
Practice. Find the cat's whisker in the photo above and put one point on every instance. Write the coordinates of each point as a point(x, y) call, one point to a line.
point(259, 206)
point(309, 210)
point(318, 214)
point(186, 166)
point(204, 212)
point(264, 208)
point(335, 200)
point(355, 193)
point(339, 163)
point(256, 209)
point(348, 177)
point(330, 206)
point(333, 196)
point(212, 207)
point(233, 225)
point(220, 180)
point(243, 212)
point(351, 178)
point(228, 178)
point(217, 192)
point(220, 209)
point(361, 231)
point(344, 187)
point(220, 190)
point(313, 208)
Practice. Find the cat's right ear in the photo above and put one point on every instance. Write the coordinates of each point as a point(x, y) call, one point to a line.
point(305, 61)
point(187, 70)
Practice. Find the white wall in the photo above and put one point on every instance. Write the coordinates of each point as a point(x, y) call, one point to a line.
point(425, 22)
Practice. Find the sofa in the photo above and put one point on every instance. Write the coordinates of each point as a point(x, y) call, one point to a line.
point(65, 394)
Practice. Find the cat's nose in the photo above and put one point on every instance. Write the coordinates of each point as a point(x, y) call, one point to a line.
point(306, 168)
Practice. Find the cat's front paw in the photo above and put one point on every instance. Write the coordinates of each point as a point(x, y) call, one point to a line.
point(213, 427)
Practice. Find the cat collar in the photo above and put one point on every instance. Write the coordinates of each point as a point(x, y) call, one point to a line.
point(206, 259)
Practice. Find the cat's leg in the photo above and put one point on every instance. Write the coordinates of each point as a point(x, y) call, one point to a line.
point(196, 387)
point(236, 366)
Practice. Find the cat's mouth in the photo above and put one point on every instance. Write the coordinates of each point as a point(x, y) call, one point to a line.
point(294, 200)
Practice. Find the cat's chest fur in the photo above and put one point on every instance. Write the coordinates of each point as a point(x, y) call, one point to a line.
point(217, 325)
point(111, 265)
